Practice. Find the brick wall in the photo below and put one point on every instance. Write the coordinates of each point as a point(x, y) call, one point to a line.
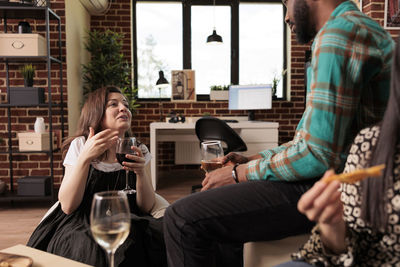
point(23, 119)
point(286, 113)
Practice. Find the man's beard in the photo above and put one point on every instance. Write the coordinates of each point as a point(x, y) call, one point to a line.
point(304, 31)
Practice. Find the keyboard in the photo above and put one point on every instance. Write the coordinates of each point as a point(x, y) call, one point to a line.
point(230, 121)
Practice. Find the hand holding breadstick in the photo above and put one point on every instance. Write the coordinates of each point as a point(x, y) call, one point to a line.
point(356, 175)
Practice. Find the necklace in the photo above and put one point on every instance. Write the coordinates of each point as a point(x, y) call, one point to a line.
point(108, 211)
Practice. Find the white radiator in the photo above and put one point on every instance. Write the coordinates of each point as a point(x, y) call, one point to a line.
point(187, 153)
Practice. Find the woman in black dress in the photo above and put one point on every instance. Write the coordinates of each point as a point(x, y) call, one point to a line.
point(90, 167)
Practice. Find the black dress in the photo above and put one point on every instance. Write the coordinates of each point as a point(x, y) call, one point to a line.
point(70, 236)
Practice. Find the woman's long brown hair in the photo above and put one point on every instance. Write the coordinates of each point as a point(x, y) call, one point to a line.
point(91, 115)
point(374, 190)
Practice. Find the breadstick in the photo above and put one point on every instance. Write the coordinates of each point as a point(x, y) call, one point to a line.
point(356, 175)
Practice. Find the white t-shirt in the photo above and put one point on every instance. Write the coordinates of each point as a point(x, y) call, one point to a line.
point(76, 147)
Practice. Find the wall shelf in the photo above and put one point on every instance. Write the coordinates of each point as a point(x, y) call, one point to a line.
point(15, 12)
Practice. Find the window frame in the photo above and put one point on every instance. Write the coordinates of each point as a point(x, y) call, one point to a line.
point(187, 46)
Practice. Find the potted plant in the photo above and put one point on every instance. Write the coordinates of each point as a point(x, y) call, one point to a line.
point(28, 72)
point(275, 82)
point(219, 92)
point(108, 65)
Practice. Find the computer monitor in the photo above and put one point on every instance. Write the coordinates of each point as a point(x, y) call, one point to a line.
point(250, 97)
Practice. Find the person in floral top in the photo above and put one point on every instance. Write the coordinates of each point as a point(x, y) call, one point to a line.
point(359, 224)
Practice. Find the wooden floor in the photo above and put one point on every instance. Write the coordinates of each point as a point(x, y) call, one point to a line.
point(19, 219)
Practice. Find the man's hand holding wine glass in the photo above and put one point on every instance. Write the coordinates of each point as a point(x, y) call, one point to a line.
point(218, 167)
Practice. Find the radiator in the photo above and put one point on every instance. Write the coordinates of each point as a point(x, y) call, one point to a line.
point(187, 153)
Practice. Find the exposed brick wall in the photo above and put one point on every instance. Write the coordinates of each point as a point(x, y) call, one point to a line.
point(23, 119)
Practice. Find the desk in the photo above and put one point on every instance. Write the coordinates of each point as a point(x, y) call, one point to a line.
point(257, 135)
point(41, 258)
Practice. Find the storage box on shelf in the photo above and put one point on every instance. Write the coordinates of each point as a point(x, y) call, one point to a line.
point(31, 141)
point(22, 44)
point(34, 186)
point(26, 95)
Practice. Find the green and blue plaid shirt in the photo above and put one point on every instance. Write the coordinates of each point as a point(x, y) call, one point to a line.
point(347, 90)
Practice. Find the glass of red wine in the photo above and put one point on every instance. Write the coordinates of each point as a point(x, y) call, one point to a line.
point(124, 147)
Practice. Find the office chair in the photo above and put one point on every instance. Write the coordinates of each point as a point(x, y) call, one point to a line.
point(211, 128)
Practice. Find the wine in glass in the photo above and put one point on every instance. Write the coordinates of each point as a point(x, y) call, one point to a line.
point(124, 147)
point(110, 221)
point(209, 151)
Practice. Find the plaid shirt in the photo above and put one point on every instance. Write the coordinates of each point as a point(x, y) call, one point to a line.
point(347, 90)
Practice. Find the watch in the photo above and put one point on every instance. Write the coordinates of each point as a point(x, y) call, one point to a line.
point(234, 173)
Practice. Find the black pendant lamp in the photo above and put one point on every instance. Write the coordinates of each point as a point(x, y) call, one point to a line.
point(214, 38)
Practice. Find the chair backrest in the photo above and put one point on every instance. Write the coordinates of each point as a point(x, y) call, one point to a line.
point(211, 128)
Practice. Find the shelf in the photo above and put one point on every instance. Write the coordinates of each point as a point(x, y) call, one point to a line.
point(22, 59)
point(12, 196)
point(16, 12)
point(37, 105)
point(16, 151)
point(24, 12)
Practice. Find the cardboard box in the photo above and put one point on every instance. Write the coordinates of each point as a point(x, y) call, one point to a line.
point(22, 44)
point(31, 141)
point(26, 95)
point(34, 186)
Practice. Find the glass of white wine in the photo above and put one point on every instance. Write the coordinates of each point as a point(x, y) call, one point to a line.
point(110, 221)
point(210, 150)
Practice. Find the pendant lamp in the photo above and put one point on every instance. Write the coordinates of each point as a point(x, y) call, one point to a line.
point(214, 38)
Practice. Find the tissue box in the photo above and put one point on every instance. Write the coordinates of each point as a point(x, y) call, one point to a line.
point(34, 186)
point(22, 44)
point(31, 141)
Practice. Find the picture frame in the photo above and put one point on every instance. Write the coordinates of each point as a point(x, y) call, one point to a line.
point(392, 14)
point(183, 85)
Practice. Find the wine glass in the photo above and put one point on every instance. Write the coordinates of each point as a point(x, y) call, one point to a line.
point(124, 147)
point(209, 151)
point(110, 221)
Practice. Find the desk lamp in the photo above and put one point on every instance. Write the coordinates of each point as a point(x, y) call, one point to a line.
point(160, 84)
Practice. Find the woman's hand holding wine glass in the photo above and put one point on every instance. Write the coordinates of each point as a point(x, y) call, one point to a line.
point(126, 146)
point(110, 221)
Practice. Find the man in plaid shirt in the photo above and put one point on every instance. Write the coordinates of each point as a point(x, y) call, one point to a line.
point(347, 89)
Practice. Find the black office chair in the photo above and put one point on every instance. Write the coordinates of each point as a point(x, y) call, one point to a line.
point(211, 128)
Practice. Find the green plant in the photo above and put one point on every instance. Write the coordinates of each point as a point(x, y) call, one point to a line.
point(276, 80)
point(28, 72)
point(108, 65)
point(219, 87)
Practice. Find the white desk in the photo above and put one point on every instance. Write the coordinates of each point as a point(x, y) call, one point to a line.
point(258, 136)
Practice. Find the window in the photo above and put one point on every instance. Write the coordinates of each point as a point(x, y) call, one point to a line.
point(171, 35)
point(159, 45)
point(261, 49)
point(211, 62)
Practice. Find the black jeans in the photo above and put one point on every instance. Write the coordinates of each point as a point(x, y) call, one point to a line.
point(196, 226)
